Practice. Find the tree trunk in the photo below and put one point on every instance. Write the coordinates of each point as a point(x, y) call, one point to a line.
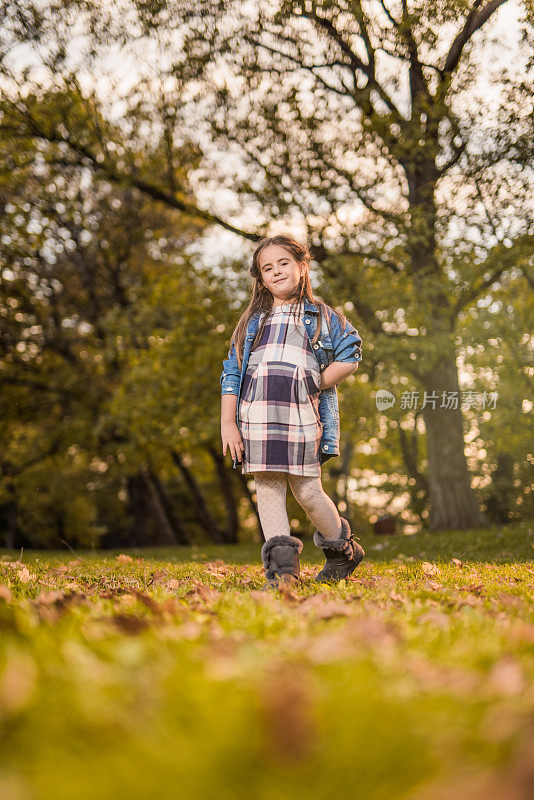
point(141, 533)
point(499, 499)
point(232, 525)
point(419, 490)
point(166, 532)
point(215, 533)
point(11, 526)
point(179, 533)
point(452, 501)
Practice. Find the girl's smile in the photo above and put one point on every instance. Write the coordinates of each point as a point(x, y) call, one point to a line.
point(279, 267)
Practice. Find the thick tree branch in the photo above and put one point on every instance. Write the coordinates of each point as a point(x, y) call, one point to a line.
point(359, 191)
point(367, 314)
point(507, 258)
point(309, 67)
point(357, 64)
point(475, 20)
point(453, 159)
point(475, 291)
point(107, 169)
point(418, 84)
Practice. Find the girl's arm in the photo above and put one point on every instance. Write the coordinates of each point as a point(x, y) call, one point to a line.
point(230, 434)
point(336, 372)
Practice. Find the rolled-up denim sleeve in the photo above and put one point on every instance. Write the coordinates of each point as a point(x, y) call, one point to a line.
point(230, 374)
point(347, 343)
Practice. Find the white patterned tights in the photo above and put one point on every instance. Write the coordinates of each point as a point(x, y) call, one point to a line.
point(271, 493)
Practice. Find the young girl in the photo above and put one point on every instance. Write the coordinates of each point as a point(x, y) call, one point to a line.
point(279, 411)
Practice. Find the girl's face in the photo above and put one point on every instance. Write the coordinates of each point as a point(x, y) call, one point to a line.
point(280, 272)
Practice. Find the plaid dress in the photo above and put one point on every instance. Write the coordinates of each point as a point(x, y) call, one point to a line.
point(278, 411)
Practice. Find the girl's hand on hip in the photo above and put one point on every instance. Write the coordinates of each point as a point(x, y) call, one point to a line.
point(232, 438)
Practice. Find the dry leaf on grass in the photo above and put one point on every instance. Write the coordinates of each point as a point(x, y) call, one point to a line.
point(470, 601)
point(506, 677)
point(515, 781)
point(130, 624)
point(286, 704)
point(433, 676)
point(51, 606)
point(157, 577)
point(331, 609)
point(521, 632)
point(434, 585)
point(374, 632)
point(509, 600)
point(5, 593)
point(173, 583)
point(430, 569)
point(124, 559)
point(18, 679)
point(473, 588)
point(264, 598)
point(190, 630)
point(220, 658)
point(217, 568)
point(437, 618)
point(201, 594)
point(370, 583)
point(330, 646)
point(287, 591)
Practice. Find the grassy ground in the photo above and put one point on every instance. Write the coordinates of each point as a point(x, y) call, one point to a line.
point(166, 672)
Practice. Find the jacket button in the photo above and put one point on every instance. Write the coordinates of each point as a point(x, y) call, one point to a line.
point(326, 447)
point(315, 346)
point(307, 320)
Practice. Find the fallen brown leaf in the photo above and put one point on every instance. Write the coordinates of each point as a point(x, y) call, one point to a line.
point(436, 676)
point(173, 584)
point(437, 618)
point(286, 703)
point(130, 624)
point(506, 676)
point(201, 593)
point(148, 601)
point(5, 593)
point(25, 576)
point(522, 632)
point(509, 600)
point(434, 585)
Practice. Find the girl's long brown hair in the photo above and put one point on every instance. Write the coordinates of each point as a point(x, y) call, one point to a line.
point(262, 299)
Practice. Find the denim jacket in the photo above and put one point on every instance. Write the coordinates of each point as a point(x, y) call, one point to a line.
point(333, 344)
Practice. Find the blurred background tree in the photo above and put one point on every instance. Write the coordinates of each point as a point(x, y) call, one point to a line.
point(145, 152)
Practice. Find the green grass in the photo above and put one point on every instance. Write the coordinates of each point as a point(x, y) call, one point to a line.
point(167, 673)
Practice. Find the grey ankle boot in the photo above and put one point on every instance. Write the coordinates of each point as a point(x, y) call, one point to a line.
point(280, 557)
point(342, 555)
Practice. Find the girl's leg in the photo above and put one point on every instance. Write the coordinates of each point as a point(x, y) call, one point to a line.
point(271, 493)
point(321, 510)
